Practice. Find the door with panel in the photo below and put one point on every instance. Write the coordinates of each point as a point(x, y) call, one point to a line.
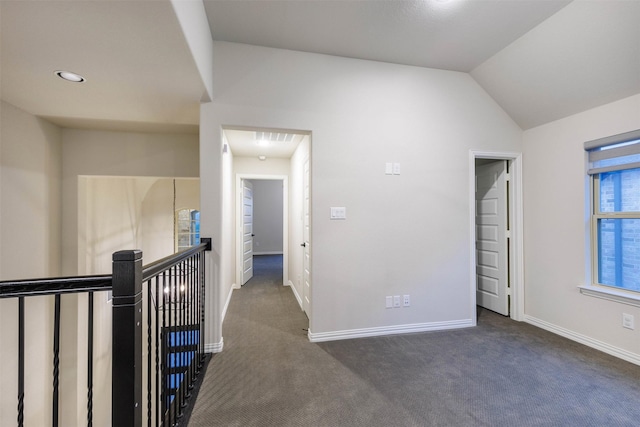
point(492, 260)
point(306, 234)
point(247, 230)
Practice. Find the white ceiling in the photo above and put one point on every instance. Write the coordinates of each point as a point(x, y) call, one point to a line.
point(540, 60)
point(453, 35)
point(140, 73)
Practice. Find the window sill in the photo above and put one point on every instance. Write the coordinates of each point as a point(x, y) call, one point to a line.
point(611, 295)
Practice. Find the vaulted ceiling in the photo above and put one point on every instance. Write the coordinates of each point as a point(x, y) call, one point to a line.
point(540, 60)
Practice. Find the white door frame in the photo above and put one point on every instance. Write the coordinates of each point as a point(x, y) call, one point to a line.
point(516, 222)
point(285, 222)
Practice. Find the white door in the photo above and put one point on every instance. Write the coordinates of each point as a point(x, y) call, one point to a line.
point(492, 278)
point(306, 257)
point(247, 230)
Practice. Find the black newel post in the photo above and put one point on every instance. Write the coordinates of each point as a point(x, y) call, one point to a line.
point(126, 409)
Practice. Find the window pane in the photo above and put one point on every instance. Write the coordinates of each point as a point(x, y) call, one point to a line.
point(620, 191)
point(619, 253)
point(623, 160)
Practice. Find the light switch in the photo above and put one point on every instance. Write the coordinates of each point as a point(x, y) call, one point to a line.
point(388, 168)
point(396, 168)
point(338, 212)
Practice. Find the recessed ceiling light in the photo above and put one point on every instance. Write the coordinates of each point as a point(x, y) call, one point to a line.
point(69, 76)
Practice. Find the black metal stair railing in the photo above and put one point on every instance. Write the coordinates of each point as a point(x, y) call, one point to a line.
point(173, 290)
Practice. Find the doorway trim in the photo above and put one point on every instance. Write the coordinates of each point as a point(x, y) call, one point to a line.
point(517, 234)
point(238, 223)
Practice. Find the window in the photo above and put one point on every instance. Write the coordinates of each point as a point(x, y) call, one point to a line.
point(187, 228)
point(614, 167)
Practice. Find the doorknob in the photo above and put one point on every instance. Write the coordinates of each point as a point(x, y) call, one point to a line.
point(304, 245)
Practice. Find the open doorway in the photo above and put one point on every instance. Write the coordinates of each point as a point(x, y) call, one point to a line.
point(258, 157)
point(262, 228)
point(496, 224)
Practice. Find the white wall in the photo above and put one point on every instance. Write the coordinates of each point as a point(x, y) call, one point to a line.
point(30, 230)
point(31, 159)
point(556, 227)
point(267, 217)
point(96, 153)
point(404, 234)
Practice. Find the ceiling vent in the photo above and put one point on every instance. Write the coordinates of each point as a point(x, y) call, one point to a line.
point(274, 136)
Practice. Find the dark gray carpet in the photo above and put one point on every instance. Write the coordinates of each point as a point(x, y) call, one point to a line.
point(500, 373)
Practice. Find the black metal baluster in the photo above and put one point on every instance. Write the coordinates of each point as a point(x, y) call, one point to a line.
point(90, 360)
point(56, 359)
point(163, 366)
point(192, 331)
point(21, 362)
point(194, 314)
point(158, 410)
point(179, 334)
point(202, 297)
point(170, 343)
point(186, 381)
point(187, 323)
point(149, 326)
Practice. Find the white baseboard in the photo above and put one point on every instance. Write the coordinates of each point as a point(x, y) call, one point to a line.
point(388, 330)
point(583, 339)
point(295, 292)
point(214, 347)
point(267, 253)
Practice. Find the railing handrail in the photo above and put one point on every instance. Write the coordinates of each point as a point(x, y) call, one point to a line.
point(153, 269)
point(54, 285)
point(79, 284)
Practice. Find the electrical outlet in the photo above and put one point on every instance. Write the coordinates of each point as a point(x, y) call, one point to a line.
point(406, 300)
point(389, 302)
point(396, 301)
point(628, 321)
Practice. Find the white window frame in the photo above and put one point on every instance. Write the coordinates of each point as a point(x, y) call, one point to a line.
point(596, 289)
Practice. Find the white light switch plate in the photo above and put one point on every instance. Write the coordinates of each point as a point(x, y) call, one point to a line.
point(339, 212)
point(388, 168)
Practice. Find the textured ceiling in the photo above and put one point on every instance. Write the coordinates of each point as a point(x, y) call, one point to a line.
point(455, 35)
point(540, 60)
point(140, 73)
